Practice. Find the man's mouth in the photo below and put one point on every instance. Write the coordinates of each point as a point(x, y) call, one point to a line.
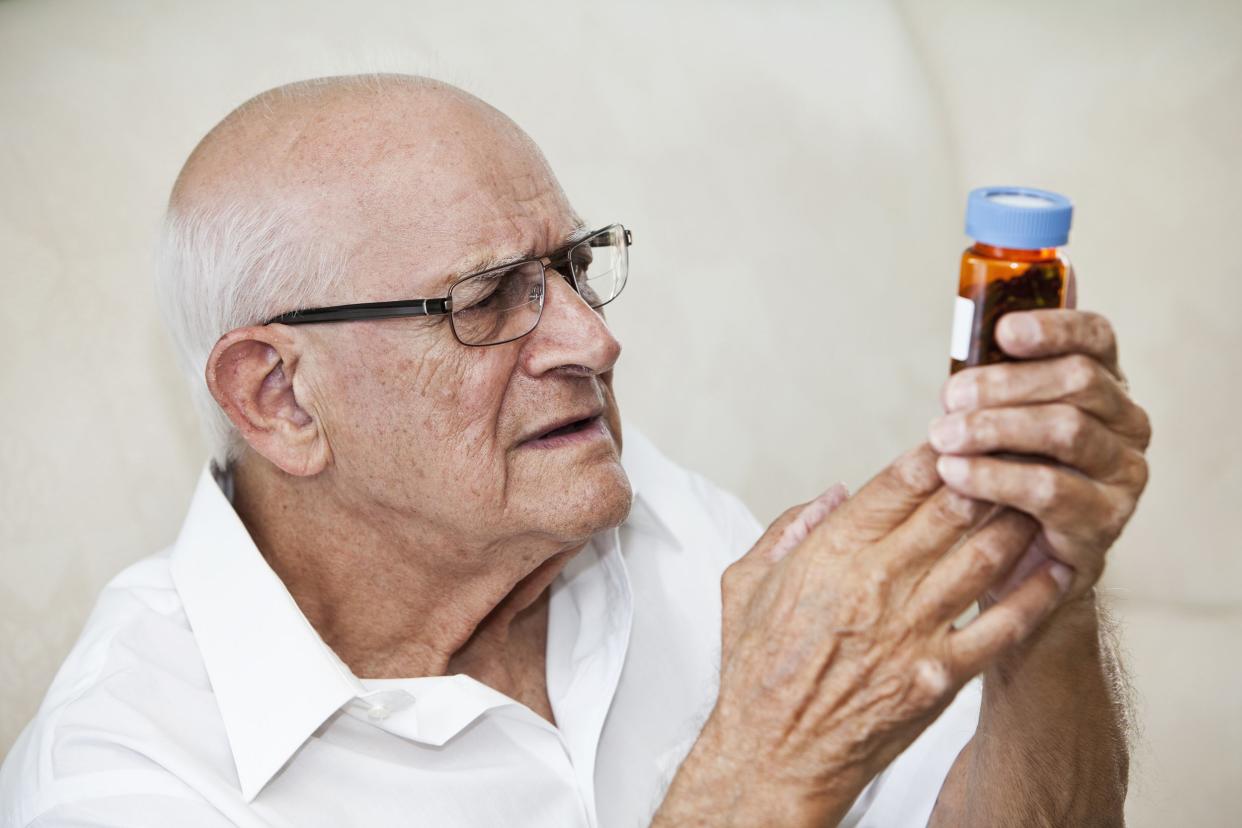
point(572, 428)
point(568, 431)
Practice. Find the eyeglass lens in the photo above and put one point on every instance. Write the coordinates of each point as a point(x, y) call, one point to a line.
point(504, 304)
point(600, 265)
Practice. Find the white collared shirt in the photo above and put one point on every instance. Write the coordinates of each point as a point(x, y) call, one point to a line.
point(199, 694)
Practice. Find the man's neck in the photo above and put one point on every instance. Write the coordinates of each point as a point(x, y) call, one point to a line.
point(391, 607)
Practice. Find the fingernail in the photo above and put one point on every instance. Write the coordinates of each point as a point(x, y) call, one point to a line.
point(1063, 575)
point(1022, 329)
point(960, 394)
point(947, 433)
point(953, 470)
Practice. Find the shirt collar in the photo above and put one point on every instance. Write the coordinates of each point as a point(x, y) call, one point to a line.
point(273, 677)
point(658, 484)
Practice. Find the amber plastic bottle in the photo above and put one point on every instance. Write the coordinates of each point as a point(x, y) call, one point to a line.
point(1015, 263)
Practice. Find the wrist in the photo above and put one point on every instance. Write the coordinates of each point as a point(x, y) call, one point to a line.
point(1066, 641)
point(1058, 681)
point(720, 785)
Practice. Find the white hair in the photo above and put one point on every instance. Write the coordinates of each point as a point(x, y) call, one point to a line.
point(224, 267)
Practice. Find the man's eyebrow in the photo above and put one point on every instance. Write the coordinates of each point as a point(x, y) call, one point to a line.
point(491, 260)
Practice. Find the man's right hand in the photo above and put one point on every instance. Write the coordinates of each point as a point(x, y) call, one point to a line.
point(838, 652)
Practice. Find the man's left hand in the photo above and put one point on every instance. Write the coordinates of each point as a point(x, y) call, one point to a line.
point(1064, 398)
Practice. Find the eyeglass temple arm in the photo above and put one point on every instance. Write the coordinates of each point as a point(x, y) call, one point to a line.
point(386, 310)
point(365, 310)
point(604, 241)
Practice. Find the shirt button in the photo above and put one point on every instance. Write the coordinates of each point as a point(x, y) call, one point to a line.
point(378, 711)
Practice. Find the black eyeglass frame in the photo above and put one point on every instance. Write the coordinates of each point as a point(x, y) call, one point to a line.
point(444, 304)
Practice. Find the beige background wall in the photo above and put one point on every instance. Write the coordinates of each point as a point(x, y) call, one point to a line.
point(810, 158)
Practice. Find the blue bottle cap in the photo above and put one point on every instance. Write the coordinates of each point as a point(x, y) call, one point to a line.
point(1019, 217)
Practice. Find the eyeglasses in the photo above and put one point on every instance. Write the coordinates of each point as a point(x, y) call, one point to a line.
point(503, 303)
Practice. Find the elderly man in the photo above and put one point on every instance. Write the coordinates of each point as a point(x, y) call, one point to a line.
point(422, 584)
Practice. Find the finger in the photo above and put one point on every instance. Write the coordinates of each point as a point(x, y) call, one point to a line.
point(1080, 517)
point(1046, 333)
point(810, 516)
point(1075, 379)
point(965, 574)
point(1060, 431)
point(935, 527)
point(882, 504)
point(763, 547)
point(1007, 622)
point(1037, 554)
point(740, 578)
point(1071, 288)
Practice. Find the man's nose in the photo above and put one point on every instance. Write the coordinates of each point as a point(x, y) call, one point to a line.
point(570, 333)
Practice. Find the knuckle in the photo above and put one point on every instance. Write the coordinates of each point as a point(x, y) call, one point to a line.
point(994, 384)
point(955, 509)
point(930, 682)
point(961, 389)
point(983, 428)
point(916, 470)
point(1047, 487)
point(1070, 429)
point(1143, 429)
point(986, 559)
point(1117, 515)
point(863, 598)
point(1010, 629)
point(1102, 331)
point(871, 583)
point(1081, 372)
point(874, 581)
point(1140, 470)
point(1133, 471)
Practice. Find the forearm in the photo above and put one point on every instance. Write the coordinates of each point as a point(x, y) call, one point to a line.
point(1051, 744)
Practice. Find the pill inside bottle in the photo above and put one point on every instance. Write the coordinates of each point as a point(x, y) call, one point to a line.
point(1015, 263)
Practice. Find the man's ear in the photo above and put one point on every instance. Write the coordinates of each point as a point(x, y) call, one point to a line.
point(250, 373)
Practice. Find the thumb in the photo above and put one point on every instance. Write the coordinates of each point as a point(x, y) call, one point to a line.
point(794, 529)
point(783, 536)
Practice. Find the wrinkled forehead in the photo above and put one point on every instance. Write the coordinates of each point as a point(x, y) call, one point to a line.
point(423, 201)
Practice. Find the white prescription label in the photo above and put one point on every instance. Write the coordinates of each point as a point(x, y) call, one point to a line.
point(963, 321)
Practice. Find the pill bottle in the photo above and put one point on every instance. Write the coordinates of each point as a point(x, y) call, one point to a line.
point(1015, 263)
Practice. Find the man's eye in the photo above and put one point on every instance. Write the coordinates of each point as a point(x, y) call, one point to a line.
point(477, 295)
point(582, 258)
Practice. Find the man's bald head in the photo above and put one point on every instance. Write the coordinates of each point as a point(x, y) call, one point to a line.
point(337, 190)
point(361, 155)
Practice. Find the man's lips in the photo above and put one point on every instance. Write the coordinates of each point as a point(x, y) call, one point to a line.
point(567, 424)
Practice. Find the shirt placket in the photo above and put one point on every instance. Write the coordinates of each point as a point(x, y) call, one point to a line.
point(589, 632)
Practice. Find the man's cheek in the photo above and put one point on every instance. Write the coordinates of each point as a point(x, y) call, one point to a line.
point(461, 404)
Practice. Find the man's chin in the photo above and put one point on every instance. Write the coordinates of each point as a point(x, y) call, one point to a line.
point(598, 499)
